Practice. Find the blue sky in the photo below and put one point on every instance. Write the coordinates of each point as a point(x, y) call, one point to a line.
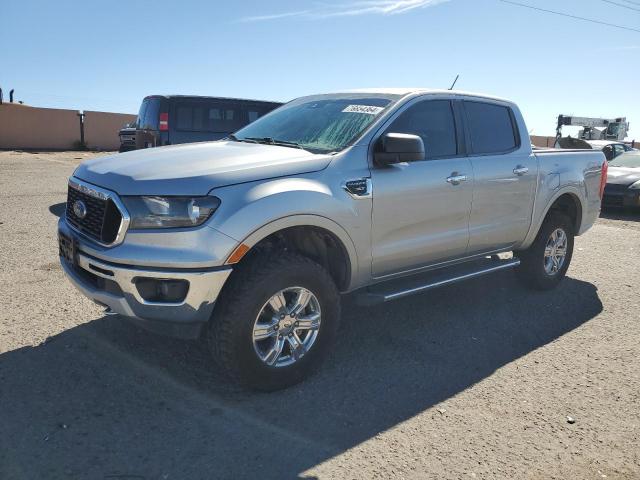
point(108, 55)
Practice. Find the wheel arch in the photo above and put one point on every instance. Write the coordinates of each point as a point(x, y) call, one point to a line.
point(569, 204)
point(568, 201)
point(314, 236)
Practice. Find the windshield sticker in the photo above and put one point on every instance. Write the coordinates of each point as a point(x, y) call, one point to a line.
point(368, 109)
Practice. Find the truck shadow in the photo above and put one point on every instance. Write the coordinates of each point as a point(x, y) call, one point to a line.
point(107, 399)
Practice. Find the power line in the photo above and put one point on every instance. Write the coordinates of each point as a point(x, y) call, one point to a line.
point(631, 2)
point(570, 16)
point(621, 5)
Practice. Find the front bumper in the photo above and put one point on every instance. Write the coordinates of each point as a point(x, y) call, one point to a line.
point(114, 286)
point(620, 197)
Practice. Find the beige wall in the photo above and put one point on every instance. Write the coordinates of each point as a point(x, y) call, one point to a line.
point(101, 129)
point(27, 127)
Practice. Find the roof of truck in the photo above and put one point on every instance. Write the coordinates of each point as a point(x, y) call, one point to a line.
point(409, 91)
point(204, 97)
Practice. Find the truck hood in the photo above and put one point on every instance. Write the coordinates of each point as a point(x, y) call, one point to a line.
point(622, 175)
point(196, 168)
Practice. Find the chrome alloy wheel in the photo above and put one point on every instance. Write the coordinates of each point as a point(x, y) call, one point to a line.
point(555, 251)
point(286, 327)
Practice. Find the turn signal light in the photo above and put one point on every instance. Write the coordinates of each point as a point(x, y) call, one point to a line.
point(237, 254)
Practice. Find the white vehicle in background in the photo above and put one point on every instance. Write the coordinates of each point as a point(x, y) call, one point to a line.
point(610, 149)
point(595, 128)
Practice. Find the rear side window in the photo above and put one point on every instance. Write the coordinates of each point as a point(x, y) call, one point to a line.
point(432, 120)
point(254, 112)
point(208, 117)
point(491, 128)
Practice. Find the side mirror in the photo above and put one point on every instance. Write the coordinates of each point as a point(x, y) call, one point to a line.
point(397, 148)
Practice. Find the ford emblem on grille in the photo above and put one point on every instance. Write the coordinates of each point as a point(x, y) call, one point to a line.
point(79, 209)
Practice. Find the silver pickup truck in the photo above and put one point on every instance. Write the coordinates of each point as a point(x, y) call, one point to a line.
point(249, 241)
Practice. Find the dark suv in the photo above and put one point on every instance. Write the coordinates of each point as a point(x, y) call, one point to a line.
point(127, 135)
point(172, 119)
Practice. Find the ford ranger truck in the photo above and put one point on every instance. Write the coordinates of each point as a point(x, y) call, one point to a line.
point(248, 242)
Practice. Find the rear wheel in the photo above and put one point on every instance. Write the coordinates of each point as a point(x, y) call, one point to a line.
point(544, 264)
point(275, 322)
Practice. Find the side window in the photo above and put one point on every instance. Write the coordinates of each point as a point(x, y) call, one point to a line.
point(224, 117)
point(618, 150)
point(432, 120)
point(198, 120)
point(608, 152)
point(490, 127)
point(254, 112)
point(208, 117)
point(184, 120)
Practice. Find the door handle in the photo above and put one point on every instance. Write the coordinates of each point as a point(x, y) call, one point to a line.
point(520, 170)
point(456, 178)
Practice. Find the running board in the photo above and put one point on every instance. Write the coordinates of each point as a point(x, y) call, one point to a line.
point(403, 287)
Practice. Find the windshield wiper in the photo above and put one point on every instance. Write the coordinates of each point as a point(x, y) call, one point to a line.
point(236, 139)
point(273, 141)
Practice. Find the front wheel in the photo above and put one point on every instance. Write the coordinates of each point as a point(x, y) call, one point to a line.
point(275, 322)
point(544, 264)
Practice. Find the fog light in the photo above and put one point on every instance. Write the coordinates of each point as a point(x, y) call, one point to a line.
point(162, 290)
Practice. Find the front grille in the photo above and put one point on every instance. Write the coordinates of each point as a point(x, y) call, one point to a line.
point(614, 195)
point(613, 201)
point(102, 220)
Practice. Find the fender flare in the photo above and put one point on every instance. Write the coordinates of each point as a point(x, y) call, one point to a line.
point(319, 221)
point(537, 222)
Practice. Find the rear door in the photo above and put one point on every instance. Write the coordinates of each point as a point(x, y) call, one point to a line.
point(505, 173)
point(420, 215)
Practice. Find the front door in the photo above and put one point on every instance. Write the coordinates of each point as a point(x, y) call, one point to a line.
point(421, 209)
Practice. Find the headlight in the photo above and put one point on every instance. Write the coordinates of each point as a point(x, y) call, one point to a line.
point(169, 212)
point(635, 186)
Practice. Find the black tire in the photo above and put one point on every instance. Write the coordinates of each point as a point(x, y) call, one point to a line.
point(532, 270)
point(230, 335)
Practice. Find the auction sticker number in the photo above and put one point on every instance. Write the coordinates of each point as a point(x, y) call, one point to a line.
point(368, 109)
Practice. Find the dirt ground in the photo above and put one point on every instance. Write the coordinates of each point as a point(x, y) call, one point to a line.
point(473, 381)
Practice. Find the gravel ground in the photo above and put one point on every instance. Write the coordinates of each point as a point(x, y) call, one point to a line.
point(473, 381)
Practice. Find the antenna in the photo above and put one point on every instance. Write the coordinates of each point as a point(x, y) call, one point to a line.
point(454, 82)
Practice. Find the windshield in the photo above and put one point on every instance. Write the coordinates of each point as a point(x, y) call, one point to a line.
point(321, 123)
point(630, 160)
